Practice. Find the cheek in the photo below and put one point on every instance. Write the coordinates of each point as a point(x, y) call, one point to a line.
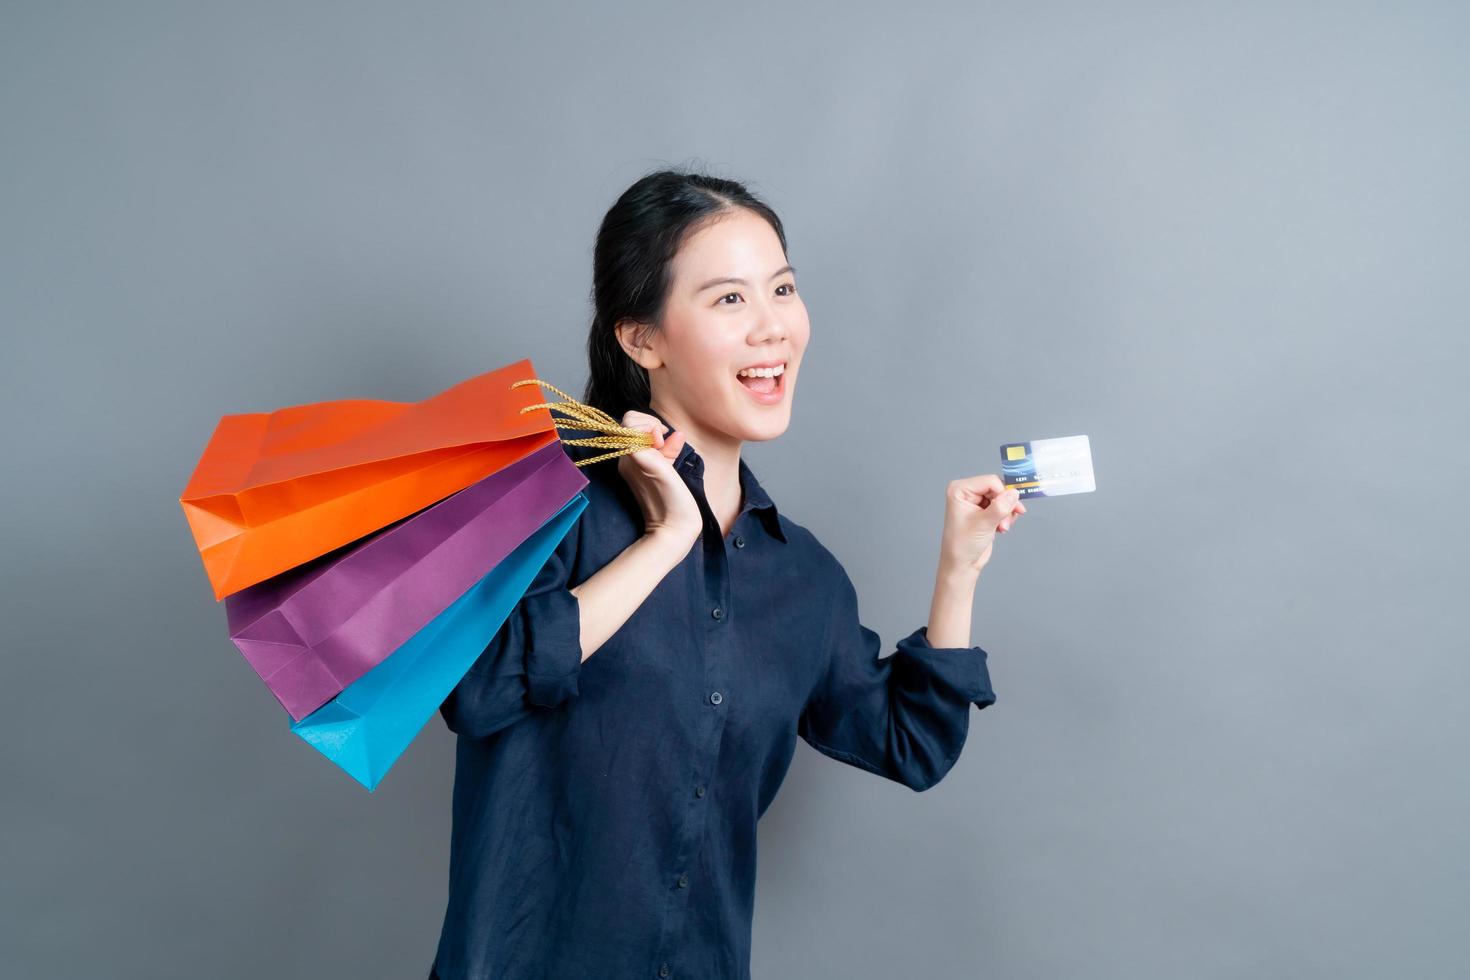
point(801, 327)
point(799, 337)
point(702, 347)
point(712, 359)
point(724, 348)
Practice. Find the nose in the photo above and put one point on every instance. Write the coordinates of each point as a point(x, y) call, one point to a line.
point(769, 328)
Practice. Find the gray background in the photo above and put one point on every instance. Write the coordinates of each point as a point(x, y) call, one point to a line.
point(1227, 242)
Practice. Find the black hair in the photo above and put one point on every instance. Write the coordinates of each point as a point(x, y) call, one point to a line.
point(632, 270)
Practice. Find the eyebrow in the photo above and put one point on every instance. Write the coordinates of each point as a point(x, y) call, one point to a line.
point(741, 282)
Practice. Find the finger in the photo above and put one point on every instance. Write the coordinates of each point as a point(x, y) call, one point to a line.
point(986, 485)
point(644, 421)
point(1003, 503)
point(1004, 506)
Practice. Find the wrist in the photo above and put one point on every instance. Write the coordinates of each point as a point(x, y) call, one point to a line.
point(949, 613)
point(958, 575)
point(671, 545)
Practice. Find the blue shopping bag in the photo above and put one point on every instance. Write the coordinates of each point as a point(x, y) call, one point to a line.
point(367, 727)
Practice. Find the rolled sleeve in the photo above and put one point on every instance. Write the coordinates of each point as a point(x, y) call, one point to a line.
point(552, 624)
point(904, 717)
point(533, 661)
point(964, 671)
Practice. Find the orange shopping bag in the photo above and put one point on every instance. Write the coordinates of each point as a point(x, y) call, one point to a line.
point(276, 489)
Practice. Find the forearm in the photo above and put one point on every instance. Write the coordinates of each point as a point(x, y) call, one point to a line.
point(615, 591)
point(949, 612)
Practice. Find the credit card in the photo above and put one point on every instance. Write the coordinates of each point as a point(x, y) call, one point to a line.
point(1048, 467)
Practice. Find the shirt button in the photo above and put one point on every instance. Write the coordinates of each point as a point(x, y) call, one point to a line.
point(683, 881)
point(739, 541)
point(663, 971)
point(718, 613)
point(699, 791)
point(716, 698)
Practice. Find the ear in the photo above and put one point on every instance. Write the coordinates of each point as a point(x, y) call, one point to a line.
point(635, 337)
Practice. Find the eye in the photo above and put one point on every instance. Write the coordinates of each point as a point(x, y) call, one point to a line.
point(725, 297)
point(788, 285)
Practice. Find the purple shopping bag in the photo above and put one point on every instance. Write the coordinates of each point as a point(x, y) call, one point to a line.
point(313, 630)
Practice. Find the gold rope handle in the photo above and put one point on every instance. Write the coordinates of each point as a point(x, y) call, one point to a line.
point(616, 435)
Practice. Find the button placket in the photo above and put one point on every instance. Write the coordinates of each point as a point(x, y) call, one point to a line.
point(710, 575)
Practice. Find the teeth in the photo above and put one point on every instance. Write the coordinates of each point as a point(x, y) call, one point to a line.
point(774, 372)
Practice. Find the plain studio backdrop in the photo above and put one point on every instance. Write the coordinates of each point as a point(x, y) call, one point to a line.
point(1227, 242)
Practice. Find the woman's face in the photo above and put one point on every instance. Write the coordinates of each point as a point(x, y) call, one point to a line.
point(732, 304)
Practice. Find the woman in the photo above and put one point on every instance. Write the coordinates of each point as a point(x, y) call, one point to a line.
point(631, 721)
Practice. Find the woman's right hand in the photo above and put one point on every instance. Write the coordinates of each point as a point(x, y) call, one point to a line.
point(669, 509)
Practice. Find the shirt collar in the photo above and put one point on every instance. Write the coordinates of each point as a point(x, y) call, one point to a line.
point(756, 498)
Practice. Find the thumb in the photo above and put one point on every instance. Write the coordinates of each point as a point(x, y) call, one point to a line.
point(672, 445)
point(1001, 506)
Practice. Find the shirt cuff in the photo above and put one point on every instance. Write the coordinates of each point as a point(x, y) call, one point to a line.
point(553, 646)
point(960, 670)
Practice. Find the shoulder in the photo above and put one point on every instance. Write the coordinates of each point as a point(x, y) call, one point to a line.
point(817, 574)
point(814, 557)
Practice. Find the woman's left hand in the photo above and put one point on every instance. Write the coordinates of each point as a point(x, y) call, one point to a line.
point(977, 508)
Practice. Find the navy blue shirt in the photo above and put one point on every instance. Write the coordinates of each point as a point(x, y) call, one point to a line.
point(605, 812)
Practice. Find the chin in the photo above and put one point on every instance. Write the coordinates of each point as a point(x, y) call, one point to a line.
point(763, 428)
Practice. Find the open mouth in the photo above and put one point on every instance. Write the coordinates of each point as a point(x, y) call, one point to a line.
point(764, 385)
